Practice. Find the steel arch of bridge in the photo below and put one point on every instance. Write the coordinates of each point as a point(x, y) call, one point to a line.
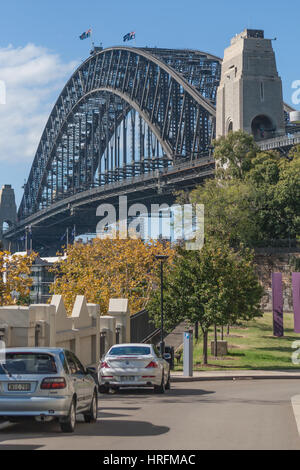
point(172, 91)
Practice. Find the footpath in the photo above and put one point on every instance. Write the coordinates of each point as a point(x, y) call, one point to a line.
point(235, 375)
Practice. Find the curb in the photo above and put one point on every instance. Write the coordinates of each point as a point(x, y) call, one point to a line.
point(179, 379)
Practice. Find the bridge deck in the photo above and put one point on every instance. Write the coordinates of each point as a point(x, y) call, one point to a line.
point(285, 141)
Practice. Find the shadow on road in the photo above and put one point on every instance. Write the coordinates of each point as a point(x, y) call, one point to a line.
point(19, 447)
point(111, 427)
point(175, 395)
point(144, 393)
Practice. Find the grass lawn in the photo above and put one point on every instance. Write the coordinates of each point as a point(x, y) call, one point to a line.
point(252, 346)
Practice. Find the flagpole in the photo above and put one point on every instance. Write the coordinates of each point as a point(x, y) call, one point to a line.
point(91, 36)
point(26, 239)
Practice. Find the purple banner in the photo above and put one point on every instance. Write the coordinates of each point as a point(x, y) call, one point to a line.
point(277, 297)
point(296, 300)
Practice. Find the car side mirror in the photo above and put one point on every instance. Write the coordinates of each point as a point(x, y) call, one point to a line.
point(91, 370)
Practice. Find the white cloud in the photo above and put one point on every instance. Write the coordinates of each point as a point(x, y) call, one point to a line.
point(34, 77)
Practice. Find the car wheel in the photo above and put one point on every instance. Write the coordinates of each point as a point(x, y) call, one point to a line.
point(168, 384)
point(103, 389)
point(68, 424)
point(160, 388)
point(91, 416)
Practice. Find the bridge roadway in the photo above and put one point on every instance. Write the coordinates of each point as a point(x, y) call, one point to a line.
point(282, 143)
point(50, 224)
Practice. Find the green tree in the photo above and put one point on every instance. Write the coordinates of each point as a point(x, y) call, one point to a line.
point(230, 211)
point(213, 286)
point(276, 188)
point(255, 195)
point(233, 154)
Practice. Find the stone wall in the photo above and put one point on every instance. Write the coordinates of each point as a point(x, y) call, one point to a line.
point(49, 325)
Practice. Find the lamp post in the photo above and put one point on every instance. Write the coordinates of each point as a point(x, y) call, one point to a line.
point(161, 258)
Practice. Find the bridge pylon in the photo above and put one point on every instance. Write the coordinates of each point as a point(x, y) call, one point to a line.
point(8, 211)
point(249, 97)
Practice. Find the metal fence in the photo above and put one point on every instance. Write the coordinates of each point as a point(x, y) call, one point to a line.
point(142, 327)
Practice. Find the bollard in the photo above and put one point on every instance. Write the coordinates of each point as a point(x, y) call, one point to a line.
point(188, 354)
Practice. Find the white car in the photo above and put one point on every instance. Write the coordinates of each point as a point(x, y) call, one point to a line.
point(133, 365)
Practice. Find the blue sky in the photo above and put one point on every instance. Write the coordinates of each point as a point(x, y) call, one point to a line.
point(39, 49)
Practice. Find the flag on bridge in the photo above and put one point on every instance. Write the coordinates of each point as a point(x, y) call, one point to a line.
point(86, 34)
point(129, 36)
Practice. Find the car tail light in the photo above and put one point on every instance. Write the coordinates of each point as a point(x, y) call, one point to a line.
point(152, 364)
point(104, 365)
point(53, 383)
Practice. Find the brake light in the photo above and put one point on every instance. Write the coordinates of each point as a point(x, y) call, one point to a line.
point(104, 365)
point(152, 364)
point(53, 383)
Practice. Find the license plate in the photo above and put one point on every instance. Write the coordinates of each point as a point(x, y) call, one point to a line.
point(18, 387)
point(129, 378)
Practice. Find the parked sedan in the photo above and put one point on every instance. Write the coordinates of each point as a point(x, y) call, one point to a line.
point(134, 365)
point(46, 384)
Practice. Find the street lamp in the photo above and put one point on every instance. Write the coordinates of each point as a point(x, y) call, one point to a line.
point(161, 258)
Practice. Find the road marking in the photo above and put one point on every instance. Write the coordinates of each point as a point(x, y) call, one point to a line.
point(296, 408)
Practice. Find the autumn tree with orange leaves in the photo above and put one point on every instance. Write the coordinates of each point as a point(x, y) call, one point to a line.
point(15, 280)
point(109, 268)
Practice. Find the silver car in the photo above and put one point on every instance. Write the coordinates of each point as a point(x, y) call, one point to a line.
point(134, 365)
point(46, 383)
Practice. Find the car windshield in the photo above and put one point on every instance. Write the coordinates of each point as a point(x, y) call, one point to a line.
point(130, 351)
point(28, 363)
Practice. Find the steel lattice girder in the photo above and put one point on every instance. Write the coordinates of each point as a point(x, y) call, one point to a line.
point(172, 91)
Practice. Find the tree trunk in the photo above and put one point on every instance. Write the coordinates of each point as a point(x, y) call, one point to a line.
point(228, 330)
point(196, 331)
point(216, 342)
point(205, 335)
point(222, 333)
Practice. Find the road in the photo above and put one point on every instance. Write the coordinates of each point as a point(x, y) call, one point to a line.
point(242, 414)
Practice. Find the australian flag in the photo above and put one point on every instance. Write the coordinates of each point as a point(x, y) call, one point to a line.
point(85, 35)
point(129, 36)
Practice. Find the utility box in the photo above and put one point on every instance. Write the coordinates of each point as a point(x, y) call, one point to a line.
point(188, 354)
point(222, 348)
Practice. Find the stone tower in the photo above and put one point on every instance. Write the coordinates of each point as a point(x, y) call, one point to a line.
point(8, 209)
point(250, 93)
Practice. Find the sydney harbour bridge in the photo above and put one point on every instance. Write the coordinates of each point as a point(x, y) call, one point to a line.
point(130, 121)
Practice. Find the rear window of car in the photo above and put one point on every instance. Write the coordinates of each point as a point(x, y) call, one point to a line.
point(28, 363)
point(130, 351)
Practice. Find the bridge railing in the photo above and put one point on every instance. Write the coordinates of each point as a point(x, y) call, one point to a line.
point(282, 141)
